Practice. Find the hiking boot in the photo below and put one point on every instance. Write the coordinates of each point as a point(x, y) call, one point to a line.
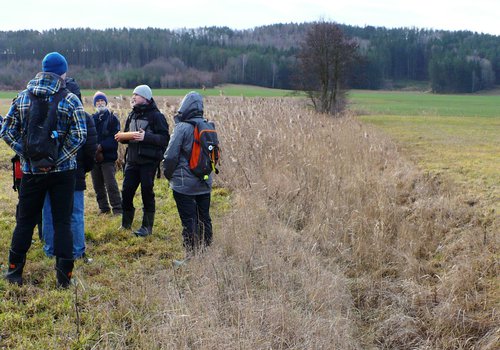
point(64, 271)
point(146, 229)
point(14, 274)
point(127, 219)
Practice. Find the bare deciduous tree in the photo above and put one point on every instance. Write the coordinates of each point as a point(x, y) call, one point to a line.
point(324, 61)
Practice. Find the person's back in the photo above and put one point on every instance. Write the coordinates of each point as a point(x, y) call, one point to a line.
point(85, 159)
point(57, 180)
point(176, 159)
point(191, 193)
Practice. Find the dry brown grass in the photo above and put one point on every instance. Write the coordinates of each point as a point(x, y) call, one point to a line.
point(332, 241)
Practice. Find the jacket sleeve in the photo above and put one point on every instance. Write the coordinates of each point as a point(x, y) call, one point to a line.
point(11, 128)
point(172, 154)
point(77, 133)
point(161, 136)
point(127, 126)
point(90, 146)
point(109, 144)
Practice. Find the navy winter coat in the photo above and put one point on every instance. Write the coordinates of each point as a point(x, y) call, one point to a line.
point(106, 138)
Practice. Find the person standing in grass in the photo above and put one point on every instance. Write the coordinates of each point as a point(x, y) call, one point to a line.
point(53, 176)
point(85, 159)
point(191, 194)
point(104, 172)
point(148, 131)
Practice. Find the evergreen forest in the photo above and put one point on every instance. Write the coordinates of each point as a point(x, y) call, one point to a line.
point(441, 61)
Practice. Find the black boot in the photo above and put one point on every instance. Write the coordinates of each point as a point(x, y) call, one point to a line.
point(64, 271)
point(127, 219)
point(16, 265)
point(148, 219)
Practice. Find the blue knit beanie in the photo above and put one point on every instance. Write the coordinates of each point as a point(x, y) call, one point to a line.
point(100, 96)
point(55, 63)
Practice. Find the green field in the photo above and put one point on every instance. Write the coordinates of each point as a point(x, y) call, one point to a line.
point(455, 135)
point(424, 104)
point(223, 90)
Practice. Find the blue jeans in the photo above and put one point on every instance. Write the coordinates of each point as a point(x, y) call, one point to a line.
point(77, 226)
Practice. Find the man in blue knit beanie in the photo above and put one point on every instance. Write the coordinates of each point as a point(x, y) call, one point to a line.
point(55, 63)
point(56, 178)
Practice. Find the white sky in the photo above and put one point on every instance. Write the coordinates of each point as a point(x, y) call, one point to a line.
point(475, 15)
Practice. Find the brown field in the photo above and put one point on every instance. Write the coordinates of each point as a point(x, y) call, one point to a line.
point(328, 239)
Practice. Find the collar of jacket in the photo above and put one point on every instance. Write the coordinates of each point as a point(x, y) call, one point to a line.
point(145, 108)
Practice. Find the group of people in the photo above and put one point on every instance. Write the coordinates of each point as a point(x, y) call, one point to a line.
point(89, 143)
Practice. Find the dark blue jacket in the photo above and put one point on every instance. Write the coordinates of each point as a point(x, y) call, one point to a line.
point(85, 158)
point(106, 138)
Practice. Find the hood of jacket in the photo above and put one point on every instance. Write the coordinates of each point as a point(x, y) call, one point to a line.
point(45, 84)
point(191, 106)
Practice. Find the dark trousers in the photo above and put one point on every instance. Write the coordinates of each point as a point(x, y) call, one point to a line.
point(60, 187)
point(194, 212)
point(39, 223)
point(105, 185)
point(135, 174)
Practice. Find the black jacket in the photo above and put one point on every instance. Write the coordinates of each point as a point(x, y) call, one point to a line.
point(152, 121)
point(85, 157)
point(106, 138)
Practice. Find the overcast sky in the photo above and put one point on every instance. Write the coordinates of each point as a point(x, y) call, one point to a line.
point(475, 15)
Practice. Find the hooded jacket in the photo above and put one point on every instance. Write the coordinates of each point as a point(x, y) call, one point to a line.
point(152, 121)
point(176, 158)
point(71, 125)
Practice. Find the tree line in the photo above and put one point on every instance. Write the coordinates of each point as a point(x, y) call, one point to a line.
point(461, 61)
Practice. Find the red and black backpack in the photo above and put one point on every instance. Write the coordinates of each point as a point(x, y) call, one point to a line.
point(206, 151)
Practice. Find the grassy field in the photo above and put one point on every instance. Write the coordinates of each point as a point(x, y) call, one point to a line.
point(424, 104)
point(223, 90)
point(326, 236)
point(455, 135)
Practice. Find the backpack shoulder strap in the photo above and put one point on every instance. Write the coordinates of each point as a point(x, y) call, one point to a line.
point(189, 121)
point(58, 97)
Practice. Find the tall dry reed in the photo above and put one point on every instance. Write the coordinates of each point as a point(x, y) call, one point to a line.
point(333, 241)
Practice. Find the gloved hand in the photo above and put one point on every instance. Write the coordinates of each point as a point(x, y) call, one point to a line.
point(99, 156)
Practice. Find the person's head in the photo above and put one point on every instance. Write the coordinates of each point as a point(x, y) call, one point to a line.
point(142, 95)
point(100, 101)
point(191, 105)
point(55, 63)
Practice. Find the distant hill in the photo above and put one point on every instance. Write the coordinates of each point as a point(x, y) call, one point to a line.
point(460, 61)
